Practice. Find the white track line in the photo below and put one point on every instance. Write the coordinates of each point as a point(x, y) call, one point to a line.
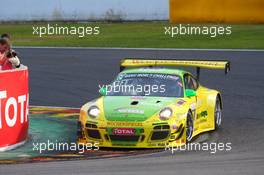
point(157, 49)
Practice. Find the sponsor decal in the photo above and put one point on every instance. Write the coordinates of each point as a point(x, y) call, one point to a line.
point(130, 111)
point(13, 107)
point(130, 124)
point(203, 114)
point(149, 75)
point(177, 62)
point(123, 131)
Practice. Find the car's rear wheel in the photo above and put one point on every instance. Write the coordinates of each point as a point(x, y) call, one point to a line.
point(218, 114)
point(189, 127)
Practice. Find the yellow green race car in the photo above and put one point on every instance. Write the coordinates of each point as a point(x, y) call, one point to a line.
point(151, 104)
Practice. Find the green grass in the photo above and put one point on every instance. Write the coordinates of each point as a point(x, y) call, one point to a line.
point(137, 34)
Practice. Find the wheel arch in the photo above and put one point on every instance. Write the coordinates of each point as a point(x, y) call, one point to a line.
point(220, 99)
point(213, 95)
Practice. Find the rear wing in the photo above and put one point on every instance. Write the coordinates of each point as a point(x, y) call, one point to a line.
point(206, 64)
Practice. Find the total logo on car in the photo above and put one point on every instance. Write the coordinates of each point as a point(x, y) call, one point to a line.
point(123, 131)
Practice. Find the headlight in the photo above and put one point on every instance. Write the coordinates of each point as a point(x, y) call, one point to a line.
point(165, 113)
point(93, 111)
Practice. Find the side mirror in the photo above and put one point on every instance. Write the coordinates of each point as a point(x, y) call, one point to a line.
point(190, 93)
point(102, 91)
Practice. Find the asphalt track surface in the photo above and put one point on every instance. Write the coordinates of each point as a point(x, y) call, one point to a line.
point(61, 77)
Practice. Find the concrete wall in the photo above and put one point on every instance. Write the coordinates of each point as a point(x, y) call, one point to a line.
point(84, 9)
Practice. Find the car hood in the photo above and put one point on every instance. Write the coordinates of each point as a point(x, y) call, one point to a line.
point(124, 108)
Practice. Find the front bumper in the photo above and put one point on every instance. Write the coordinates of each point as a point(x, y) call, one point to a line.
point(147, 135)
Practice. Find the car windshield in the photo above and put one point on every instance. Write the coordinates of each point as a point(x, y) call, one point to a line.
point(146, 84)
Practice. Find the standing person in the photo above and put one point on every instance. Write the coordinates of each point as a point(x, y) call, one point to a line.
point(6, 37)
point(8, 57)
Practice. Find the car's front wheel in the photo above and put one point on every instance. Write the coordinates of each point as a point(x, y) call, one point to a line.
point(189, 127)
point(218, 114)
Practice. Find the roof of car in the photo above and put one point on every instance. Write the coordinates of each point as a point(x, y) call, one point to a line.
point(156, 70)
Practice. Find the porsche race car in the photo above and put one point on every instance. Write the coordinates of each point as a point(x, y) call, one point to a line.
point(151, 104)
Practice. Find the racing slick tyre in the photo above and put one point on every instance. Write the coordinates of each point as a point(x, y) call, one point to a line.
point(189, 127)
point(218, 113)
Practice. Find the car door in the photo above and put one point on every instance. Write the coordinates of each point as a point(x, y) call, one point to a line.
point(197, 105)
point(201, 111)
point(190, 85)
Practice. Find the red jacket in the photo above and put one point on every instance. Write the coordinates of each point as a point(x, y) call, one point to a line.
point(4, 62)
